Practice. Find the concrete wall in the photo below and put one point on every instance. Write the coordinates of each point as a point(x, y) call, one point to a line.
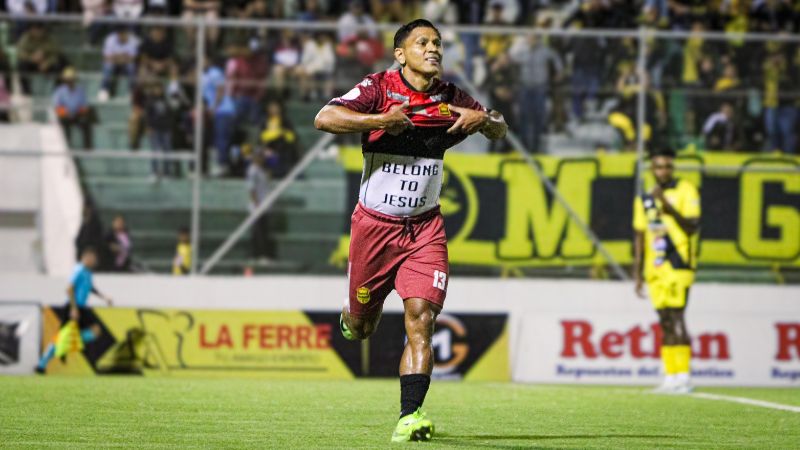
point(40, 213)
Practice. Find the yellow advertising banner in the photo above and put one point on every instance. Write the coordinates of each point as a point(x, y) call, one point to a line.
point(498, 213)
point(271, 344)
point(277, 344)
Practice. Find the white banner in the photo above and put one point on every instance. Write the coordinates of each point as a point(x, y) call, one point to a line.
point(622, 347)
point(20, 331)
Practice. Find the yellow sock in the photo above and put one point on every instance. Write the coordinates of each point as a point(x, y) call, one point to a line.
point(682, 355)
point(668, 358)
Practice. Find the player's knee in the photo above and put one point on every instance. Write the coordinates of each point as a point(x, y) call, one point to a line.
point(666, 324)
point(90, 334)
point(420, 322)
point(363, 327)
point(424, 320)
point(680, 329)
point(361, 333)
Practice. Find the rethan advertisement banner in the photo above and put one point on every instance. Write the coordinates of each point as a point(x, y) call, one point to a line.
point(624, 348)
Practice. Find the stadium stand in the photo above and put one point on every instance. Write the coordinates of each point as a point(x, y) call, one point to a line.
point(588, 106)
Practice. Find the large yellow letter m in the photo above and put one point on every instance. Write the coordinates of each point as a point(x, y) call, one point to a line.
point(539, 227)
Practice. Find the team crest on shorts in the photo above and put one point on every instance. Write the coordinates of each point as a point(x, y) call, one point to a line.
point(362, 295)
point(444, 110)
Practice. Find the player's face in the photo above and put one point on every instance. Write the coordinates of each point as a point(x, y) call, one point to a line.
point(662, 168)
point(422, 52)
point(90, 260)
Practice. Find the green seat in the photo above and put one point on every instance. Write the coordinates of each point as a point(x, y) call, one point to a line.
point(677, 116)
point(42, 85)
point(113, 112)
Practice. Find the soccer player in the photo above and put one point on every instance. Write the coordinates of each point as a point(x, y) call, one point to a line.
point(408, 119)
point(80, 286)
point(666, 221)
point(182, 262)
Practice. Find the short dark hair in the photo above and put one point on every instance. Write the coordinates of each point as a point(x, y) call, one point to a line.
point(405, 30)
point(663, 151)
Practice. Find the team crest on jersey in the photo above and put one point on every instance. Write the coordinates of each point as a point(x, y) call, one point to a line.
point(362, 295)
point(444, 110)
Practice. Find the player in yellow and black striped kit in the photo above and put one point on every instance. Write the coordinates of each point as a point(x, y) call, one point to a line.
point(666, 221)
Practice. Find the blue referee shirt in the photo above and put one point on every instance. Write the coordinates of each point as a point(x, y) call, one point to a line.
point(81, 282)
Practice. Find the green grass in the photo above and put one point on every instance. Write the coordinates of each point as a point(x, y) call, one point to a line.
point(106, 412)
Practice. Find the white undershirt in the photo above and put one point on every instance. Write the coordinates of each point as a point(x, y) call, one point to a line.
point(400, 185)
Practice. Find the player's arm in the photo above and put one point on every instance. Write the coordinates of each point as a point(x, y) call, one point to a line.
point(639, 227)
point(638, 257)
point(103, 297)
point(491, 124)
point(495, 126)
point(339, 119)
point(473, 117)
point(688, 225)
point(73, 305)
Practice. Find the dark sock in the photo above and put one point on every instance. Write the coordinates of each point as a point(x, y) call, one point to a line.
point(412, 392)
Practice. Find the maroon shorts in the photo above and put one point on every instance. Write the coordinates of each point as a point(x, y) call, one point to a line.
point(387, 252)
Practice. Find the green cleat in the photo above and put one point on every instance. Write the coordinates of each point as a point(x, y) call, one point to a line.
point(345, 331)
point(413, 427)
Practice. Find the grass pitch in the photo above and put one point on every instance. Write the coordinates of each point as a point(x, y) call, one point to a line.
point(106, 412)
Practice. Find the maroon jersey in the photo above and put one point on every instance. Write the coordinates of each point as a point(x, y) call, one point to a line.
point(403, 174)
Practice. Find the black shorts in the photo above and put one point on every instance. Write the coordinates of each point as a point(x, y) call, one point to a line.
point(86, 317)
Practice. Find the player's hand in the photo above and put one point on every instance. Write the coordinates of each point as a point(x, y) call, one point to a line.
point(73, 313)
point(666, 206)
point(395, 121)
point(640, 289)
point(469, 120)
point(658, 193)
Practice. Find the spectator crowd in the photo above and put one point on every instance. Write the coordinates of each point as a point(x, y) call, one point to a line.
point(732, 94)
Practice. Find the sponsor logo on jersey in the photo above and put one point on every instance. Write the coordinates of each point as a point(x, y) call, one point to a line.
point(421, 110)
point(362, 295)
point(396, 96)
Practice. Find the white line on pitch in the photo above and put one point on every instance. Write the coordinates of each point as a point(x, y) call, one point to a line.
point(747, 401)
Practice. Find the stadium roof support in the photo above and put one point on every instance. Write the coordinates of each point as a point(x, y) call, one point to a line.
point(267, 203)
point(641, 69)
point(198, 144)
